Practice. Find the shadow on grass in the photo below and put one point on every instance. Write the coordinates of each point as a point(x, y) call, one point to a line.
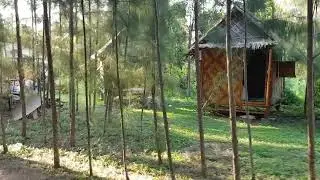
point(13, 167)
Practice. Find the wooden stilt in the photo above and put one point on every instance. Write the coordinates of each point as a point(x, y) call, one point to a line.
point(269, 84)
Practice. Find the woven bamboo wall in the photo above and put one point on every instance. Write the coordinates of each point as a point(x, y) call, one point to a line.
point(214, 77)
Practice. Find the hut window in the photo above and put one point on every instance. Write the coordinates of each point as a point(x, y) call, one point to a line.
point(285, 68)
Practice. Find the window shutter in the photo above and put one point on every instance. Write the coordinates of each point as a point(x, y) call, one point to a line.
point(286, 68)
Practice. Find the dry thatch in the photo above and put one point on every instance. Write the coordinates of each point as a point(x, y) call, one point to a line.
point(257, 37)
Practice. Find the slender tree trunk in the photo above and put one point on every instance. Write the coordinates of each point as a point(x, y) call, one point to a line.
point(43, 86)
point(76, 34)
point(47, 90)
point(21, 73)
point(77, 95)
point(36, 49)
point(199, 89)
point(124, 145)
point(163, 102)
point(127, 34)
point(110, 106)
point(4, 139)
point(143, 103)
point(72, 79)
point(60, 56)
point(86, 86)
point(106, 103)
point(1, 63)
point(310, 96)
point(33, 47)
point(236, 166)
point(189, 58)
point(155, 116)
point(245, 76)
point(56, 158)
point(94, 68)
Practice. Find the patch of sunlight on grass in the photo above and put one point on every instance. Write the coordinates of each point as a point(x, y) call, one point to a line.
point(190, 134)
point(186, 109)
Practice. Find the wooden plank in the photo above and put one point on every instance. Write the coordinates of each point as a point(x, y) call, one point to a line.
point(257, 104)
point(269, 84)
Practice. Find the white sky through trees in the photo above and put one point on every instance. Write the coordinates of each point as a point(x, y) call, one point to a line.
point(25, 12)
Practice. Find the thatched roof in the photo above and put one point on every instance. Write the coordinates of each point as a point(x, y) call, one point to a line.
point(257, 37)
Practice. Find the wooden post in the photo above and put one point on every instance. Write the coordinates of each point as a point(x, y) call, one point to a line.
point(269, 84)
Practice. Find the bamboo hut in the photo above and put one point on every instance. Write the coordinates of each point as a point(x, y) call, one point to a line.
point(266, 72)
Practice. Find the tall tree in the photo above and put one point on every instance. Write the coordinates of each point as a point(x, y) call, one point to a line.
point(56, 159)
point(33, 44)
point(21, 73)
point(199, 89)
point(124, 145)
point(245, 76)
point(3, 131)
point(86, 86)
point(43, 87)
point(163, 102)
point(72, 79)
point(232, 110)
point(155, 116)
point(36, 41)
point(310, 90)
point(189, 58)
point(94, 70)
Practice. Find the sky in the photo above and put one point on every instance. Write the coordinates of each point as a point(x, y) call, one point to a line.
point(25, 12)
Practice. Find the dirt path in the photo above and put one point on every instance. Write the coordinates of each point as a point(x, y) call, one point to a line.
point(12, 168)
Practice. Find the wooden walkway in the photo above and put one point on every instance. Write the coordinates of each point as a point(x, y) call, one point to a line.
point(33, 102)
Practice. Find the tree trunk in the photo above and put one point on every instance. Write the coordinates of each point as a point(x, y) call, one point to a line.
point(1, 60)
point(96, 48)
point(33, 47)
point(155, 116)
point(76, 34)
point(72, 79)
point(245, 76)
point(4, 139)
point(43, 87)
point(106, 103)
point(199, 89)
point(94, 68)
point(86, 87)
point(77, 95)
point(36, 51)
point(189, 58)
point(142, 104)
point(236, 167)
point(60, 56)
point(21, 73)
point(56, 159)
point(124, 145)
point(310, 97)
point(163, 102)
point(110, 106)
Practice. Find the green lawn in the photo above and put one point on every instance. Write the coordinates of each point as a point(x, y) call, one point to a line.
point(280, 145)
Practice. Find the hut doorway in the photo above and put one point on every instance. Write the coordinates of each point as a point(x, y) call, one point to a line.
point(256, 74)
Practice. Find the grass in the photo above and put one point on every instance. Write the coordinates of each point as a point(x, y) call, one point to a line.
point(280, 145)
